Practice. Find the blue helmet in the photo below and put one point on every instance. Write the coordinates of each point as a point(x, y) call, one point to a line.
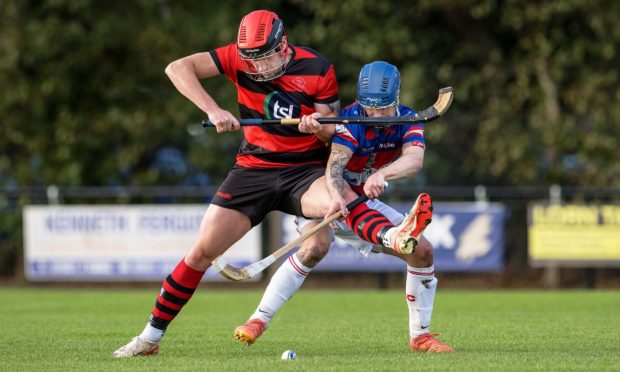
point(378, 85)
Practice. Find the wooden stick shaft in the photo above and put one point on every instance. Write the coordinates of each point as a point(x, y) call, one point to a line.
point(285, 249)
point(439, 108)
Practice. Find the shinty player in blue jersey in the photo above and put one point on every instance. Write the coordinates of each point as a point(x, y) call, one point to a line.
point(366, 157)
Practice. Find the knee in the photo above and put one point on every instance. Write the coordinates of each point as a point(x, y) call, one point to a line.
point(310, 255)
point(423, 255)
point(204, 251)
point(199, 257)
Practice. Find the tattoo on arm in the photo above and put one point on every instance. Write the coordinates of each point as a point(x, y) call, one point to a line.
point(334, 107)
point(336, 164)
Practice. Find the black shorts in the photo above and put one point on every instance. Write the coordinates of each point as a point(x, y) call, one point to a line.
point(258, 191)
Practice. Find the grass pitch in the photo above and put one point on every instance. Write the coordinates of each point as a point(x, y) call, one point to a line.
point(48, 329)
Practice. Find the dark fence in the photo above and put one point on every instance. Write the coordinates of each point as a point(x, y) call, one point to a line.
point(516, 273)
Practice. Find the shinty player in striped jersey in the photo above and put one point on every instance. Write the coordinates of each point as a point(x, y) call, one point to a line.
point(365, 157)
point(277, 168)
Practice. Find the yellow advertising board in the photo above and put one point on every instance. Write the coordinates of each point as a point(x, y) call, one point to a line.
point(575, 235)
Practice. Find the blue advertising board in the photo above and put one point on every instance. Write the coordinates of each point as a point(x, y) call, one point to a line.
point(465, 237)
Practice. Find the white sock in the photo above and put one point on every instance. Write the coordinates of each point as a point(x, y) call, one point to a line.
point(151, 333)
point(420, 290)
point(387, 237)
point(283, 285)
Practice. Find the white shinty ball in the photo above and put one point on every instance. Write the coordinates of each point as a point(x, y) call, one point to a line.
point(289, 355)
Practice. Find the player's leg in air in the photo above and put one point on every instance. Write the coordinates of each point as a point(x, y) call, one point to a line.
point(292, 273)
point(373, 226)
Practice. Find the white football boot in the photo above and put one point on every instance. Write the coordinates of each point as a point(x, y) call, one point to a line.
point(137, 347)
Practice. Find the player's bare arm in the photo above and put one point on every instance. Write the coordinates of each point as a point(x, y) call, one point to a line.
point(185, 74)
point(326, 131)
point(409, 163)
point(334, 108)
point(309, 124)
point(338, 160)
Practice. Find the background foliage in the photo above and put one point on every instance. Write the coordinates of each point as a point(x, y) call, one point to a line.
point(85, 101)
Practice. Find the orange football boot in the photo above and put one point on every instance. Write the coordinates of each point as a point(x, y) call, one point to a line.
point(428, 343)
point(250, 331)
point(407, 235)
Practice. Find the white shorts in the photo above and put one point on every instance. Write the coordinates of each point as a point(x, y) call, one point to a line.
point(347, 236)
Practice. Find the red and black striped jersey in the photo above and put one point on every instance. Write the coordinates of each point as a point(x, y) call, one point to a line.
point(309, 78)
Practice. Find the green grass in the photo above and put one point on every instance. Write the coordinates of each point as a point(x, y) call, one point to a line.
point(46, 329)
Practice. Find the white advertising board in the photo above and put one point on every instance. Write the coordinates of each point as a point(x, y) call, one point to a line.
point(118, 242)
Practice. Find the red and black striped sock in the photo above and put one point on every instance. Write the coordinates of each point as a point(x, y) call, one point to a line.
point(368, 224)
point(177, 289)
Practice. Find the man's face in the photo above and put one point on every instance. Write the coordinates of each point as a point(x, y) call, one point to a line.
point(264, 66)
point(377, 112)
point(269, 66)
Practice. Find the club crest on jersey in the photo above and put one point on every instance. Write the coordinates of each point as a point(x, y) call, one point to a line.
point(299, 83)
point(280, 105)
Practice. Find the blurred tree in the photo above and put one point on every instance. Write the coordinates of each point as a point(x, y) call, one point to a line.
point(85, 96)
point(85, 100)
point(537, 87)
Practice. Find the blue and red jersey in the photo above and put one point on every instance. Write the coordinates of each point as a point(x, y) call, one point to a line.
point(374, 148)
point(309, 78)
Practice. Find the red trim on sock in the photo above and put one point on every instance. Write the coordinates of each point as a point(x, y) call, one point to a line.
point(296, 267)
point(420, 273)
